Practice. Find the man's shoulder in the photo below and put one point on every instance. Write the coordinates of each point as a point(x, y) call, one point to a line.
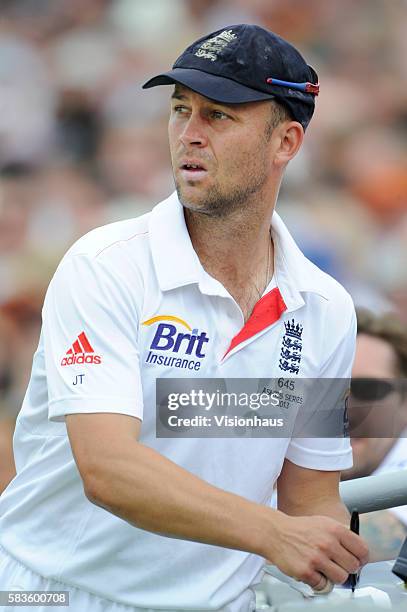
point(100, 240)
point(119, 250)
point(305, 276)
point(334, 305)
point(327, 286)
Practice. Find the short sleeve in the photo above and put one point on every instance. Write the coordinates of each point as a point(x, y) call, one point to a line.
point(334, 453)
point(90, 328)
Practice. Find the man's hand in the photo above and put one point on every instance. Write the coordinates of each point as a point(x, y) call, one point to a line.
point(312, 544)
point(311, 547)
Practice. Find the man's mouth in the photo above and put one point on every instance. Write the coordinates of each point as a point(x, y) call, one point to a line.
point(193, 167)
point(193, 170)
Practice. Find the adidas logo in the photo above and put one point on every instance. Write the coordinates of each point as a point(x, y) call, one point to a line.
point(81, 352)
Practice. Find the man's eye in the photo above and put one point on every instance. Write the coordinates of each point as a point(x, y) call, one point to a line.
point(216, 114)
point(180, 109)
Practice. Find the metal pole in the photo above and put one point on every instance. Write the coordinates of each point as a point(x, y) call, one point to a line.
point(375, 492)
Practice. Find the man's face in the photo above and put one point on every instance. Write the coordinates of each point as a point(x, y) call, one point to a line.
point(375, 358)
point(228, 143)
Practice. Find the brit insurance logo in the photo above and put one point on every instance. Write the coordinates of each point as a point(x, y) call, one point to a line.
point(80, 352)
point(173, 348)
point(290, 354)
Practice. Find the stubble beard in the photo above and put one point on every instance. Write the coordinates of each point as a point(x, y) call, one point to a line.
point(222, 202)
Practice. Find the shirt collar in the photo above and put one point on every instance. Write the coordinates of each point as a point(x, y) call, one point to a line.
point(175, 260)
point(177, 264)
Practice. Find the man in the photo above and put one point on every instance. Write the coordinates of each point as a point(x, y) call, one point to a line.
point(100, 503)
point(379, 375)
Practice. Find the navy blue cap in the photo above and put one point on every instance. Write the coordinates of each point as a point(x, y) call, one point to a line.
point(246, 63)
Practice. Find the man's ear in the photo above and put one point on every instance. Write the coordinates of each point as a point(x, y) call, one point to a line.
point(291, 135)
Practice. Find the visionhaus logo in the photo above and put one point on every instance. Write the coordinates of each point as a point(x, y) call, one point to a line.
point(173, 348)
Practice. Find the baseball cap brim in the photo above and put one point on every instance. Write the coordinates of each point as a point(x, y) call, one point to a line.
point(212, 86)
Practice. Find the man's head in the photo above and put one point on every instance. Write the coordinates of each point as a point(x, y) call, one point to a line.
point(378, 377)
point(234, 90)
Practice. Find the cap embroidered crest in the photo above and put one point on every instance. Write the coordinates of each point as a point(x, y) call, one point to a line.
point(210, 48)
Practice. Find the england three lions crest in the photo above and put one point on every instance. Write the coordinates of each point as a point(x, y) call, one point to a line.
point(291, 349)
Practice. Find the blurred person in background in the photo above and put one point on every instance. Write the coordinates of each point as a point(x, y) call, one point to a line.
point(379, 378)
point(7, 466)
point(20, 322)
point(133, 166)
point(7, 411)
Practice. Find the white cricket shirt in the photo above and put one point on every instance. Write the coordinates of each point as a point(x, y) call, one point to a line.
point(396, 459)
point(114, 319)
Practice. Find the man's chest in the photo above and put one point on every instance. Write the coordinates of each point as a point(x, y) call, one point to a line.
point(206, 336)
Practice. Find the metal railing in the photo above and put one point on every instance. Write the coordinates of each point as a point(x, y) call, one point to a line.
point(375, 492)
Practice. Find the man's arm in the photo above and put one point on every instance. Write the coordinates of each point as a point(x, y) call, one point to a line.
point(305, 492)
point(153, 493)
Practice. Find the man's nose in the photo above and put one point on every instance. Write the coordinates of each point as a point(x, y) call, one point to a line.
point(194, 132)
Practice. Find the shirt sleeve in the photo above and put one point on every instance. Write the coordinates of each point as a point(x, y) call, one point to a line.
point(331, 453)
point(90, 327)
point(394, 461)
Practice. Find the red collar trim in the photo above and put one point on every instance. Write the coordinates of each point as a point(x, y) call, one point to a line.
point(266, 312)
